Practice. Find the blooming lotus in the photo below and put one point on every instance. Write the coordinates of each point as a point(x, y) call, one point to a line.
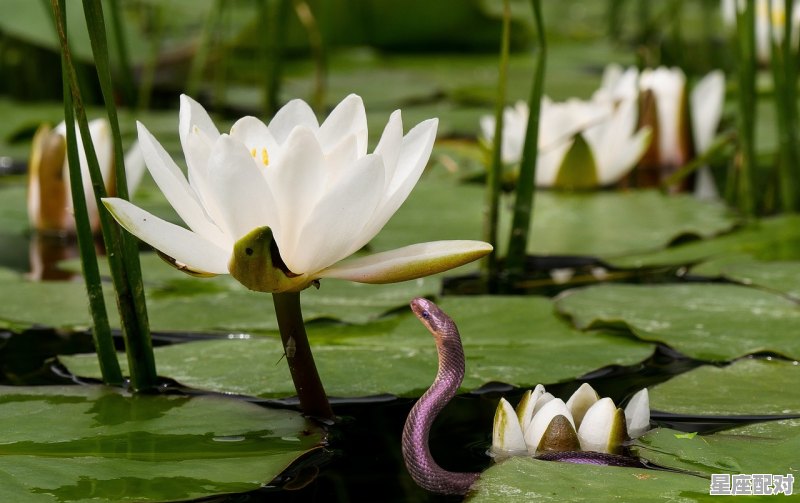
point(582, 144)
point(49, 196)
point(543, 423)
point(279, 206)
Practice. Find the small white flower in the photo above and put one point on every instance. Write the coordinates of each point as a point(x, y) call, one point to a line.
point(279, 206)
point(585, 422)
point(49, 196)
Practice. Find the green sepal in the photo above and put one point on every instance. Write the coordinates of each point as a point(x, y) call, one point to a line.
point(256, 263)
point(578, 169)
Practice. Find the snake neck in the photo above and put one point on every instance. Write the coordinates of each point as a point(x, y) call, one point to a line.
point(423, 468)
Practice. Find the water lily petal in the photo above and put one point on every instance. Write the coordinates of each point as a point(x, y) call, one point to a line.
point(187, 248)
point(297, 184)
point(415, 152)
point(668, 86)
point(258, 139)
point(526, 405)
point(389, 146)
point(637, 414)
point(341, 158)
point(541, 421)
point(603, 427)
point(193, 115)
point(348, 118)
point(507, 439)
point(328, 235)
point(170, 179)
point(294, 114)
point(241, 189)
point(706, 100)
point(580, 401)
point(409, 262)
point(134, 167)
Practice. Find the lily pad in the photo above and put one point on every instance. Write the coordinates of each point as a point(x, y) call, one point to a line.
point(609, 224)
point(748, 386)
point(782, 277)
point(776, 238)
point(705, 321)
point(93, 443)
point(769, 447)
point(509, 339)
point(526, 479)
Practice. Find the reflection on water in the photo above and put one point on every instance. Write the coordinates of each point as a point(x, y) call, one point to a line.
point(46, 251)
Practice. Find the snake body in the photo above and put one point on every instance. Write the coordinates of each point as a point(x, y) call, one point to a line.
point(416, 453)
point(424, 470)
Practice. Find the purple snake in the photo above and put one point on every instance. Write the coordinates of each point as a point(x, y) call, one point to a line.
point(416, 453)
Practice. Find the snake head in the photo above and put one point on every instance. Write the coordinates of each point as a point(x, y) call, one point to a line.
point(434, 319)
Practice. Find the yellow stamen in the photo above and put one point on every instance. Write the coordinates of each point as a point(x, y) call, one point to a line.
point(253, 152)
point(264, 157)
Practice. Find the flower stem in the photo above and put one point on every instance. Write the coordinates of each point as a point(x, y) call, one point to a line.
point(745, 21)
point(313, 400)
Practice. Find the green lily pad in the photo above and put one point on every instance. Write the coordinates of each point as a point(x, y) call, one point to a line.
point(776, 238)
point(609, 224)
point(516, 340)
point(93, 443)
point(781, 277)
point(526, 479)
point(748, 386)
point(769, 447)
point(705, 321)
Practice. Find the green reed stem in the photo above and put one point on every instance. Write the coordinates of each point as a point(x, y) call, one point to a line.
point(495, 172)
point(125, 69)
point(307, 383)
point(784, 76)
point(746, 73)
point(272, 47)
point(526, 185)
point(129, 293)
point(101, 330)
point(130, 298)
point(203, 48)
point(317, 46)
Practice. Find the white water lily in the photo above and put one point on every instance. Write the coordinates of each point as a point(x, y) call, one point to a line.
point(585, 422)
point(279, 206)
point(582, 144)
point(682, 130)
point(49, 197)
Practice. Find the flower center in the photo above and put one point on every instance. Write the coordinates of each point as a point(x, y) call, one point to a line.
point(264, 155)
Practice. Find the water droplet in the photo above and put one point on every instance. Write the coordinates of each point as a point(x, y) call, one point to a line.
point(229, 438)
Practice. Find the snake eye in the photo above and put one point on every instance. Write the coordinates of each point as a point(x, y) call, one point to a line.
point(426, 314)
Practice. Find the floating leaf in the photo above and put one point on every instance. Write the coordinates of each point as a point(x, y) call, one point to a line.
point(782, 277)
point(609, 224)
point(516, 340)
point(748, 386)
point(705, 321)
point(93, 443)
point(769, 447)
point(776, 238)
point(526, 479)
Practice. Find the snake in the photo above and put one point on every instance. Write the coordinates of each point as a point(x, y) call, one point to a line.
point(416, 452)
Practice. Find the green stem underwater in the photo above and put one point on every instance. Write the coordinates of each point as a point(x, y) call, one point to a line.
point(307, 383)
